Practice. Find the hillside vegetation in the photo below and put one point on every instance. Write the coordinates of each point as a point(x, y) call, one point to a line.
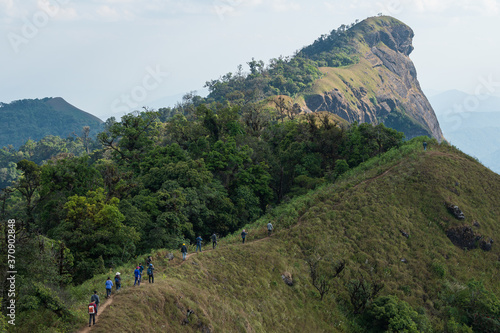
point(33, 119)
point(366, 234)
point(386, 219)
point(435, 285)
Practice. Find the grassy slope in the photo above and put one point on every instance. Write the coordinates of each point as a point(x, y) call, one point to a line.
point(238, 288)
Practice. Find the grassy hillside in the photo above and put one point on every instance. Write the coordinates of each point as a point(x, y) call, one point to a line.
point(387, 219)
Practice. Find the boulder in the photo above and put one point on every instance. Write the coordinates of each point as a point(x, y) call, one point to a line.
point(463, 237)
point(170, 256)
point(455, 211)
point(287, 278)
point(486, 245)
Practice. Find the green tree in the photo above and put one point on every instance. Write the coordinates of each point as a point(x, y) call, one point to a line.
point(93, 228)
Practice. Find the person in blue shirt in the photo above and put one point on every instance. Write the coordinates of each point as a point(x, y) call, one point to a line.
point(198, 243)
point(243, 235)
point(109, 285)
point(137, 274)
point(141, 268)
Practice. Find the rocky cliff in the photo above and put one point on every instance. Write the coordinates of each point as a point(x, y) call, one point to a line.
point(382, 87)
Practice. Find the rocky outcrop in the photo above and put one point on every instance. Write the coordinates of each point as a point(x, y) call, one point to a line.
point(388, 90)
point(287, 278)
point(455, 211)
point(463, 237)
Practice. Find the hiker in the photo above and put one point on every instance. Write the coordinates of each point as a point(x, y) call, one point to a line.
point(95, 298)
point(184, 251)
point(109, 285)
point(214, 241)
point(118, 281)
point(198, 243)
point(92, 312)
point(137, 275)
point(269, 228)
point(148, 261)
point(141, 268)
point(425, 145)
point(150, 273)
point(243, 235)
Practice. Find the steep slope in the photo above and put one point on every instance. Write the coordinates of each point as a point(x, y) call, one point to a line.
point(382, 86)
point(387, 219)
point(35, 118)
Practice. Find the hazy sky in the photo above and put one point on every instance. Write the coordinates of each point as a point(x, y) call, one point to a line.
point(110, 57)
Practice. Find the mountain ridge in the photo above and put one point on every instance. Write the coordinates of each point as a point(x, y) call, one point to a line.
point(33, 119)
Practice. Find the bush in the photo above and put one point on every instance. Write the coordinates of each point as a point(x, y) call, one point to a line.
point(394, 315)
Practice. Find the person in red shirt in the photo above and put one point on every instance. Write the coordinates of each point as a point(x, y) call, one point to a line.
point(92, 312)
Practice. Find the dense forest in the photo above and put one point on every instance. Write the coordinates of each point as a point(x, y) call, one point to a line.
point(33, 119)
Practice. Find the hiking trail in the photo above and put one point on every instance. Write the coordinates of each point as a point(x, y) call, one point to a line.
point(103, 306)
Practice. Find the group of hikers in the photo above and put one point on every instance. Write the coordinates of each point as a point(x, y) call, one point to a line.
point(94, 299)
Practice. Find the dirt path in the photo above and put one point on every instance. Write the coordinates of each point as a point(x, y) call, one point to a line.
point(194, 253)
point(103, 307)
point(100, 310)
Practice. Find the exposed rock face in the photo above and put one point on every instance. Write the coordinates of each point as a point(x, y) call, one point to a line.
point(388, 90)
point(463, 237)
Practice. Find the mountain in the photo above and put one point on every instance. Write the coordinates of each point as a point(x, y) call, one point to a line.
point(382, 86)
point(35, 118)
point(471, 123)
point(387, 219)
point(360, 72)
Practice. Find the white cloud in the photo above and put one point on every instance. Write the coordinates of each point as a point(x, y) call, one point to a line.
point(285, 5)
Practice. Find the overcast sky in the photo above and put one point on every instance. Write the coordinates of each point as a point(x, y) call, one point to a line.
point(110, 57)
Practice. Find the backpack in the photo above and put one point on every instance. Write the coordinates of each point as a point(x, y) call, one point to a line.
point(150, 271)
point(91, 308)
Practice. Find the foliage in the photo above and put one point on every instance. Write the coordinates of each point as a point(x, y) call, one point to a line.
point(394, 315)
point(33, 119)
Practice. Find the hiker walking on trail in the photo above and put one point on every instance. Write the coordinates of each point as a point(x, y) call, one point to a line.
point(269, 228)
point(141, 268)
point(137, 274)
point(109, 285)
point(118, 281)
point(92, 312)
point(95, 298)
point(184, 251)
point(243, 235)
point(150, 273)
point(425, 145)
point(198, 243)
point(214, 241)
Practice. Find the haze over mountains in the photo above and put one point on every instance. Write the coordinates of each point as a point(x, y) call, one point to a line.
point(472, 123)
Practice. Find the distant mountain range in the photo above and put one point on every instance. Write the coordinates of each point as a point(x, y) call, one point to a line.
point(35, 118)
point(471, 123)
